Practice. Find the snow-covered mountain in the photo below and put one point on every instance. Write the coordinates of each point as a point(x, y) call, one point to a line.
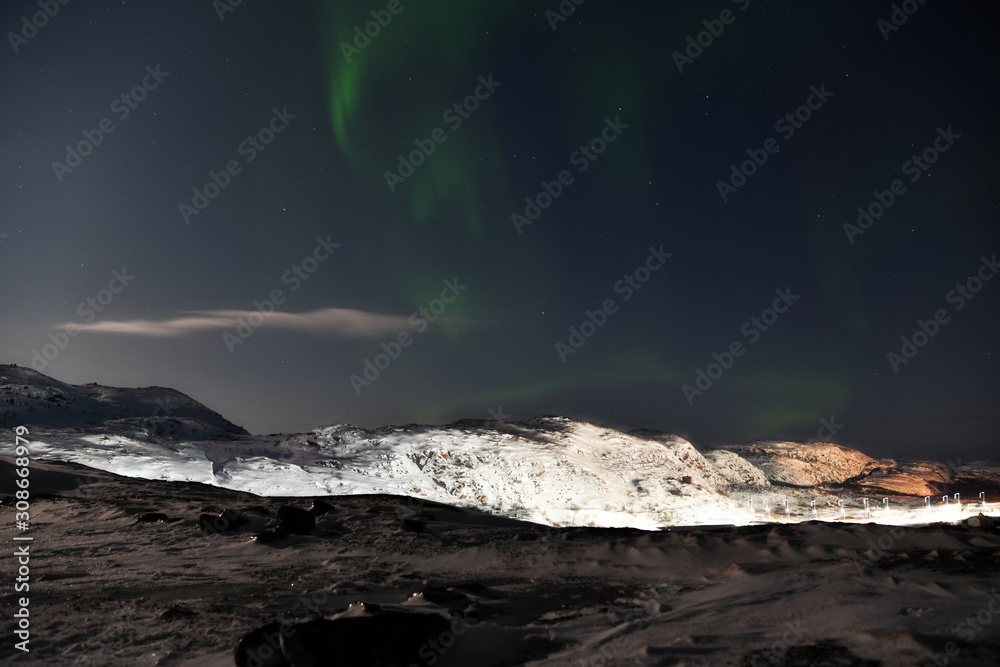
point(550, 470)
point(29, 398)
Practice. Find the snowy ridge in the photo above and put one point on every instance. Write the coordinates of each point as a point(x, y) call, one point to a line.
point(549, 470)
point(29, 398)
point(806, 465)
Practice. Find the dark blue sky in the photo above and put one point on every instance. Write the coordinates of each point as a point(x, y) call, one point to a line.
point(169, 171)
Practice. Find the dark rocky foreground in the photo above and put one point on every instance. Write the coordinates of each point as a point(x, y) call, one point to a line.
point(135, 572)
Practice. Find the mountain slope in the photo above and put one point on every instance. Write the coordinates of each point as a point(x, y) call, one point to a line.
point(32, 399)
point(549, 470)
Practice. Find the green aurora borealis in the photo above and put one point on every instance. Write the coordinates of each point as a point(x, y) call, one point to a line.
point(529, 287)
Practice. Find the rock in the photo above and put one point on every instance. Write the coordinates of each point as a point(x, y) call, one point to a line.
point(268, 536)
point(261, 648)
point(806, 464)
point(365, 635)
point(442, 596)
point(220, 523)
point(384, 638)
point(908, 477)
point(151, 517)
point(177, 612)
point(319, 507)
point(413, 525)
point(981, 521)
point(291, 521)
point(294, 521)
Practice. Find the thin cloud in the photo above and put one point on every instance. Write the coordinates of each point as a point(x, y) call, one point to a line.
point(344, 322)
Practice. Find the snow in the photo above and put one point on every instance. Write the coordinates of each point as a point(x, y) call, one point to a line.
point(548, 470)
point(132, 589)
point(554, 471)
point(551, 470)
point(115, 590)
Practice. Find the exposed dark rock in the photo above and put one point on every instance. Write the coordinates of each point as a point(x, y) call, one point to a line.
point(414, 525)
point(220, 523)
point(294, 521)
point(319, 507)
point(268, 536)
point(176, 612)
point(391, 639)
point(442, 596)
point(261, 648)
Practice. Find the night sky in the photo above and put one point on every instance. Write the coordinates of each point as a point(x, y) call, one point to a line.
point(489, 210)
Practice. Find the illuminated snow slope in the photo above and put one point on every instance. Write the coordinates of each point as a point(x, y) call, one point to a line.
point(549, 470)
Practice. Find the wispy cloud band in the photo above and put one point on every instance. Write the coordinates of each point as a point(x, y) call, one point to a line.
point(344, 322)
